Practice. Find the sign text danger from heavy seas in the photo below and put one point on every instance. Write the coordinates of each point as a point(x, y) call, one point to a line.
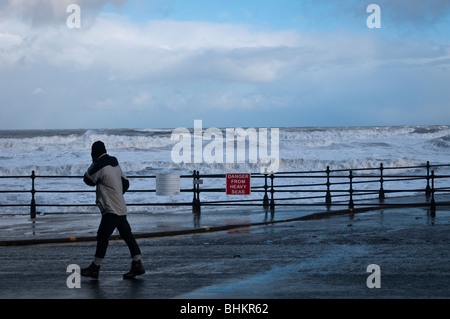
point(238, 184)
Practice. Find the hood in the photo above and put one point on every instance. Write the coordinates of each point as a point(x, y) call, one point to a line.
point(102, 161)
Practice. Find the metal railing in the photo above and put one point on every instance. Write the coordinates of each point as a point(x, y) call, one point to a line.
point(335, 187)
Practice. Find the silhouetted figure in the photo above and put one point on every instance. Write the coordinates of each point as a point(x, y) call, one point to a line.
point(111, 183)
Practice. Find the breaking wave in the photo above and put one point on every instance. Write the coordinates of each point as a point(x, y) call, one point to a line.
point(146, 151)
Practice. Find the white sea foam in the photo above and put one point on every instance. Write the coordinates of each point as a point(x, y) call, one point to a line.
point(147, 150)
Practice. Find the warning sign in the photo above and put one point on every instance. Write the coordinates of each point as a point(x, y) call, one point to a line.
point(238, 184)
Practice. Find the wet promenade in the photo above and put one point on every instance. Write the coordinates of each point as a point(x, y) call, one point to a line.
point(285, 255)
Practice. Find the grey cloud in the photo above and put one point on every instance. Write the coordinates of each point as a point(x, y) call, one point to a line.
point(45, 12)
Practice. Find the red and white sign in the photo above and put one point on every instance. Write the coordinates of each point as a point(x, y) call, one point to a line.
point(238, 184)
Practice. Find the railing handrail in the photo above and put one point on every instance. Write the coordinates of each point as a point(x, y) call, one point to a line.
point(253, 174)
point(269, 188)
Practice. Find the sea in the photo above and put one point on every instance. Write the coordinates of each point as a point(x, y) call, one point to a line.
point(147, 152)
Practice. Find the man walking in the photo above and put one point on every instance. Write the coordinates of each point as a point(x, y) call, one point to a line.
point(111, 183)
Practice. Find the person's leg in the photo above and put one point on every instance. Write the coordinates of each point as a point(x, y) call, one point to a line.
point(125, 232)
point(107, 225)
point(105, 229)
point(136, 265)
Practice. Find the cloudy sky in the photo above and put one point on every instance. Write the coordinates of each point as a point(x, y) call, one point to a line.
point(229, 63)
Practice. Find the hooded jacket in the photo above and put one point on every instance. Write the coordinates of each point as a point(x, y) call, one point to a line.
point(111, 183)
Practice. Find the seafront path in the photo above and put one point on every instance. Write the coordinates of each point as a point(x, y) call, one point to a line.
point(292, 253)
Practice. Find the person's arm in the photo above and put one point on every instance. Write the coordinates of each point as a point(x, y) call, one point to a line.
point(125, 183)
point(89, 179)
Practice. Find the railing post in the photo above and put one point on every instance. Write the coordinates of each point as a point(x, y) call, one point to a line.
point(381, 192)
point(433, 203)
point(272, 191)
point(266, 187)
point(428, 189)
point(328, 196)
point(196, 191)
point(350, 204)
point(33, 201)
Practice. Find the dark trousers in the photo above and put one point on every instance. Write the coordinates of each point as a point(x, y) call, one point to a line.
point(107, 226)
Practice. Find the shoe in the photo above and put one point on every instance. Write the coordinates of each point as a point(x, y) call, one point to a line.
point(136, 269)
point(91, 271)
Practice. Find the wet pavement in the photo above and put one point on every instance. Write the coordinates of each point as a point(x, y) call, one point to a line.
point(284, 255)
